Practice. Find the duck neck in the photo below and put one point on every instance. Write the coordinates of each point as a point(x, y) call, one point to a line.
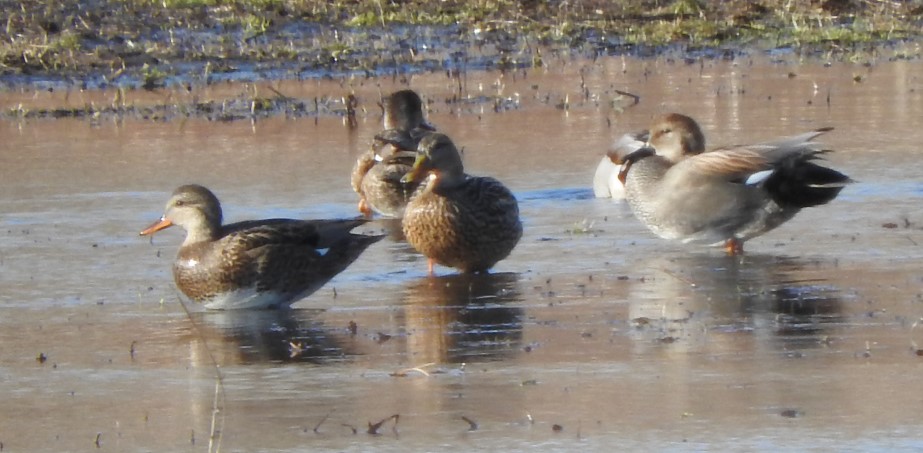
point(447, 180)
point(202, 230)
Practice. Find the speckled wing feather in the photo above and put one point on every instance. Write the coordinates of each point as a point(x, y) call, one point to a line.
point(363, 164)
point(489, 200)
point(473, 225)
point(276, 254)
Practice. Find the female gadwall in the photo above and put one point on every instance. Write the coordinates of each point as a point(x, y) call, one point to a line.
point(728, 195)
point(254, 264)
point(466, 222)
point(606, 183)
point(376, 177)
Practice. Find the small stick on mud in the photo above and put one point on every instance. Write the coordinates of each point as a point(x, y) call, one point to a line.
point(472, 425)
point(374, 427)
point(321, 422)
point(98, 436)
point(353, 428)
point(279, 94)
point(682, 279)
point(351, 104)
point(419, 369)
point(635, 98)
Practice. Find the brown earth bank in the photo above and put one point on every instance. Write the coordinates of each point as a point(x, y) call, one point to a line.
point(181, 44)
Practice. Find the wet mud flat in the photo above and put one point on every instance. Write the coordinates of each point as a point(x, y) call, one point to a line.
point(593, 333)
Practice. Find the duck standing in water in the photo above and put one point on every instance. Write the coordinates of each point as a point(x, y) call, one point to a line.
point(728, 195)
point(377, 174)
point(461, 221)
point(254, 264)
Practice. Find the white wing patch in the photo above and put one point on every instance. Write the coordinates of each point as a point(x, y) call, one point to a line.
point(758, 177)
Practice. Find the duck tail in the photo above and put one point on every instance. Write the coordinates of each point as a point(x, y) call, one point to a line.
point(802, 184)
point(343, 252)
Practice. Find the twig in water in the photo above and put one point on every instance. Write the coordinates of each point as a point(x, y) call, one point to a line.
point(214, 436)
point(374, 427)
point(682, 279)
point(472, 425)
point(321, 422)
point(635, 98)
point(419, 369)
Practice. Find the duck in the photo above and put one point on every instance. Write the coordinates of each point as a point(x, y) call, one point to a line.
point(255, 264)
point(464, 222)
point(605, 180)
point(376, 176)
point(728, 195)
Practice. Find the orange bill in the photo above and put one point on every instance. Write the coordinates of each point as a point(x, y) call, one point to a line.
point(157, 226)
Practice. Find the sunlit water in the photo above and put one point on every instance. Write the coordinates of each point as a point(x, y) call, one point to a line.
point(593, 335)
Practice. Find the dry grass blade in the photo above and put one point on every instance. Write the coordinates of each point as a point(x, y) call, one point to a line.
point(217, 423)
point(419, 369)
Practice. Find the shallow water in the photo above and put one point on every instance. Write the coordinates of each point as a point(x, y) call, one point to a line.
point(592, 325)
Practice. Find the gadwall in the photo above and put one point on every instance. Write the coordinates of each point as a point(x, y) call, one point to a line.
point(377, 174)
point(461, 221)
point(606, 182)
point(727, 195)
point(254, 264)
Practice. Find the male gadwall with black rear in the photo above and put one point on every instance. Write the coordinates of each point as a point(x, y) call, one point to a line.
point(466, 222)
point(376, 177)
point(606, 182)
point(727, 195)
point(254, 264)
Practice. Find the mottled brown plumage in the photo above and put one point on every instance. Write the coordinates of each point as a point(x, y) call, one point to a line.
point(466, 222)
point(254, 264)
point(377, 174)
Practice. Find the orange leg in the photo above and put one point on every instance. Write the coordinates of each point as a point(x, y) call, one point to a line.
point(364, 208)
point(431, 264)
point(734, 247)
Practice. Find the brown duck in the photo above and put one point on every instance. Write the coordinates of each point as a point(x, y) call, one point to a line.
point(376, 177)
point(727, 195)
point(254, 264)
point(466, 222)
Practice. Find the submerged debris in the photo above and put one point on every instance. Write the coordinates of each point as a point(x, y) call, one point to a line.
point(374, 427)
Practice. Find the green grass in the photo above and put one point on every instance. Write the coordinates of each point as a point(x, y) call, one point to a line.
point(38, 35)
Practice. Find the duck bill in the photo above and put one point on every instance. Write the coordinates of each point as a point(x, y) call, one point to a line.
point(631, 158)
point(157, 226)
point(418, 172)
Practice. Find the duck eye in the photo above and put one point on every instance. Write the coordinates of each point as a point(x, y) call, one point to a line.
point(179, 203)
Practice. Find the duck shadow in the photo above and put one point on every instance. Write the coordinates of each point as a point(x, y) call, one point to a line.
point(463, 318)
point(260, 336)
point(694, 296)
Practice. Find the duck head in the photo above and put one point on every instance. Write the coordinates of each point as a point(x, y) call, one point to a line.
point(403, 110)
point(437, 156)
point(676, 136)
point(195, 209)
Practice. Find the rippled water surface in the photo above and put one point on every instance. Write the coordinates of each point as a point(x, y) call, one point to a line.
point(593, 335)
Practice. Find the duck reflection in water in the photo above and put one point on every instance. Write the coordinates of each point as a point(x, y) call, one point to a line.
point(463, 318)
point(249, 337)
point(694, 299)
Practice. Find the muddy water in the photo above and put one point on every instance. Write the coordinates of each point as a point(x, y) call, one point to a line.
point(593, 334)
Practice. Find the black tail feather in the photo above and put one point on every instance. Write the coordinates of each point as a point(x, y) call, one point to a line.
point(800, 183)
